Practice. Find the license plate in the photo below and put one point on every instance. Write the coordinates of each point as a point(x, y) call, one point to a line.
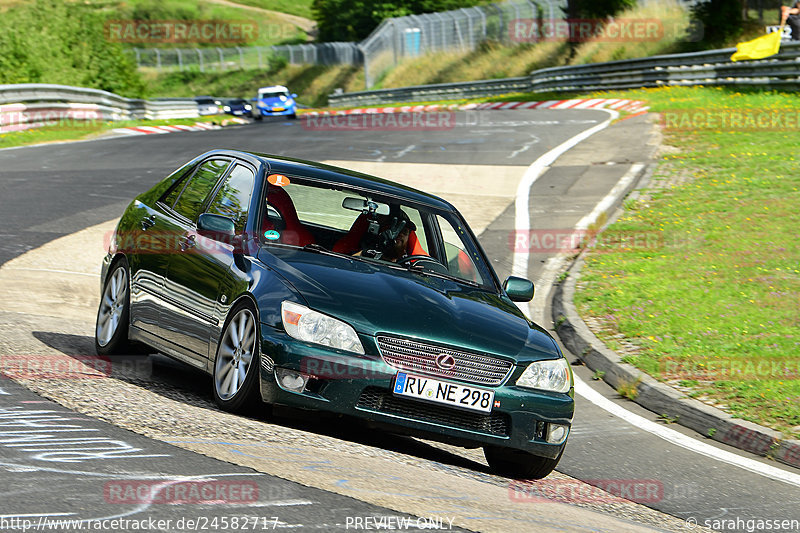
point(277, 109)
point(442, 392)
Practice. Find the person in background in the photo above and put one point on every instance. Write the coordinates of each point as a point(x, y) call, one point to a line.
point(791, 16)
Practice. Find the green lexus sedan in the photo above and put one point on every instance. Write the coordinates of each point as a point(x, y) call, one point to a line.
point(299, 284)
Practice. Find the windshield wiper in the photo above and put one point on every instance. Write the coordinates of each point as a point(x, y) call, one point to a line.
point(422, 270)
point(318, 248)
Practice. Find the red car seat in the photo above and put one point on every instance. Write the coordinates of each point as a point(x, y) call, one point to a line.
point(293, 232)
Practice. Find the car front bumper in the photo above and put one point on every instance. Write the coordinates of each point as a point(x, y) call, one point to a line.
point(268, 113)
point(361, 386)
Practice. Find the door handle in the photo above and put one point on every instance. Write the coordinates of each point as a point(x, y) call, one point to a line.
point(187, 242)
point(148, 222)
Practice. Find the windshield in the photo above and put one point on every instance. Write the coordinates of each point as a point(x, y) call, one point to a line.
point(319, 217)
point(273, 94)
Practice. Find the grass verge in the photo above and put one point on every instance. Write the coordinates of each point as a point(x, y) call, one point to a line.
point(706, 281)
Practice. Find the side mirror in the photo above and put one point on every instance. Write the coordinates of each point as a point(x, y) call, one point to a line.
point(215, 226)
point(294, 95)
point(518, 289)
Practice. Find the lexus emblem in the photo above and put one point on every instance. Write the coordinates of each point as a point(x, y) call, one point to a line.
point(445, 361)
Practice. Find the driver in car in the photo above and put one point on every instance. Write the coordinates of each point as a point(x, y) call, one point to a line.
point(395, 231)
point(387, 237)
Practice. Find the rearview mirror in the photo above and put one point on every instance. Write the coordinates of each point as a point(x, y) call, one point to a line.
point(362, 205)
point(215, 226)
point(518, 289)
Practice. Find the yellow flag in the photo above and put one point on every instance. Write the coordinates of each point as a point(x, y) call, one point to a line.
point(759, 48)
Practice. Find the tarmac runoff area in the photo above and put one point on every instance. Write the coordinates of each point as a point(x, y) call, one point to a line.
point(56, 288)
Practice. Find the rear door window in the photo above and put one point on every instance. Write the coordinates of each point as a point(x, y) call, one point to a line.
point(233, 198)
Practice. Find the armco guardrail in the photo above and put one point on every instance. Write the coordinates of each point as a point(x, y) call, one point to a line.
point(701, 68)
point(30, 105)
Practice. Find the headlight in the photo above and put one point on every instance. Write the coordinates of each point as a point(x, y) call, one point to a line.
point(226, 108)
point(248, 107)
point(307, 325)
point(553, 375)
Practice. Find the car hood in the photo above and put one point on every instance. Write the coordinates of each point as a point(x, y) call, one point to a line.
point(379, 299)
point(274, 100)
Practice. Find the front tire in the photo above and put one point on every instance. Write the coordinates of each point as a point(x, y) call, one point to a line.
point(113, 315)
point(519, 464)
point(236, 371)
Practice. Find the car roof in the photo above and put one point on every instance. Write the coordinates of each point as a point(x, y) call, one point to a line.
point(273, 88)
point(328, 173)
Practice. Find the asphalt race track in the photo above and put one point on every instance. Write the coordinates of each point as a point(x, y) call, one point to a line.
point(305, 472)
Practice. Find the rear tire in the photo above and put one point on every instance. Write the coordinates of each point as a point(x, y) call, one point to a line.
point(236, 366)
point(113, 314)
point(519, 464)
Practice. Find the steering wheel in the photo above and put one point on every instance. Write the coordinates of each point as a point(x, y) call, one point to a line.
point(414, 258)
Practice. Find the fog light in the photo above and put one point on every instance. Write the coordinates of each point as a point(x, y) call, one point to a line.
point(291, 380)
point(556, 433)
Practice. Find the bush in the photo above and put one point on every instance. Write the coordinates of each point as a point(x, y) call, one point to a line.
point(722, 21)
point(48, 41)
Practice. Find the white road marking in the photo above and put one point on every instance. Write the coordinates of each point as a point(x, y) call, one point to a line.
point(605, 204)
point(684, 441)
point(404, 151)
point(537, 168)
point(520, 268)
point(31, 515)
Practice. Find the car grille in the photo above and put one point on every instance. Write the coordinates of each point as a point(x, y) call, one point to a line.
point(408, 355)
point(382, 401)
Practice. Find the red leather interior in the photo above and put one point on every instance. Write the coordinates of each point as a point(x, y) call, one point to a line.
point(293, 232)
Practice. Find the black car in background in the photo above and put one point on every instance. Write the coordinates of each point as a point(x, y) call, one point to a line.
point(238, 107)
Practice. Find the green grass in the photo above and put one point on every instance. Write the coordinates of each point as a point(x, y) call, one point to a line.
point(718, 284)
point(79, 130)
point(272, 28)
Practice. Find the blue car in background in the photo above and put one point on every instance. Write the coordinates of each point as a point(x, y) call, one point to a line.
point(275, 101)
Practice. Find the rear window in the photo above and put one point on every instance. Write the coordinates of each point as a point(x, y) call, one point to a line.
point(193, 197)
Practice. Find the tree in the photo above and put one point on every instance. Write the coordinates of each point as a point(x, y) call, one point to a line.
point(722, 21)
point(597, 8)
point(353, 20)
